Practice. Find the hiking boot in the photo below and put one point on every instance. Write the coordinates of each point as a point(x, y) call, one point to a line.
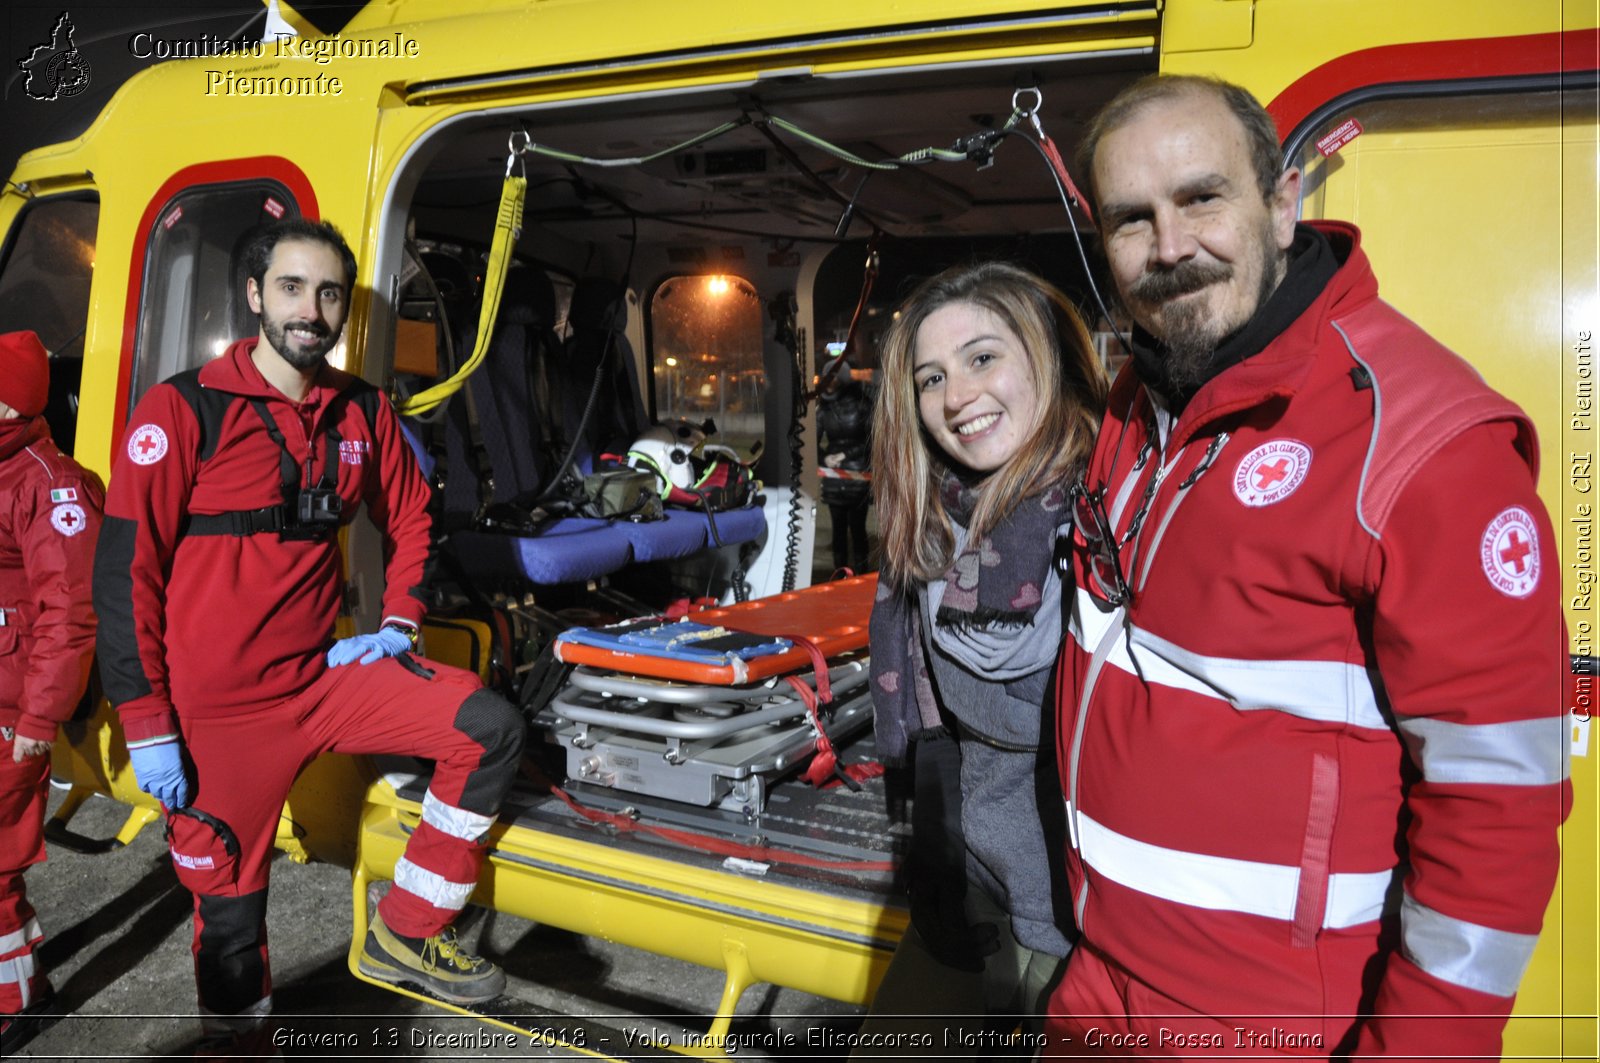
point(438, 964)
point(19, 1028)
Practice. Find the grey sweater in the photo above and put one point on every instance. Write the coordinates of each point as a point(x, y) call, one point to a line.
point(995, 682)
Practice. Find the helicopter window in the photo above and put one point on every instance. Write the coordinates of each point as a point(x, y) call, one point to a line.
point(193, 304)
point(44, 286)
point(706, 355)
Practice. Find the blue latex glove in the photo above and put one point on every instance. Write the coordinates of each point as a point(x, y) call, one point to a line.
point(387, 642)
point(159, 771)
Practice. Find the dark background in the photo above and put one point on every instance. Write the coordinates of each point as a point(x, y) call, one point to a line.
point(103, 29)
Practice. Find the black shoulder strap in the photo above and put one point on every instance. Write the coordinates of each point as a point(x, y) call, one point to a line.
point(287, 468)
point(366, 398)
point(209, 405)
point(292, 481)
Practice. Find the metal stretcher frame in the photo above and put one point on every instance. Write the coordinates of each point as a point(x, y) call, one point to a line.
point(831, 942)
point(781, 704)
point(735, 743)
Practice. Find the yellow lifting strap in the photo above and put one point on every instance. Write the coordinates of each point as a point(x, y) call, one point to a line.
point(507, 226)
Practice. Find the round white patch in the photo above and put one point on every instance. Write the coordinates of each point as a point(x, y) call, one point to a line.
point(147, 445)
point(1271, 472)
point(68, 519)
point(1510, 552)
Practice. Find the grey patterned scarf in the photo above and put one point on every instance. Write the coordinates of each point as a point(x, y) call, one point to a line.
point(996, 581)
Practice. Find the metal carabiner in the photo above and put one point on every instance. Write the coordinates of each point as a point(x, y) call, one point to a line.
point(516, 152)
point(1030, 113)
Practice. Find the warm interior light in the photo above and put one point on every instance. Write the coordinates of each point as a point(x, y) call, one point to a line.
point(717, 285)
point(672, 361)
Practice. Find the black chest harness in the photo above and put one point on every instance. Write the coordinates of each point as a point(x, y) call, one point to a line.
point(307, 513)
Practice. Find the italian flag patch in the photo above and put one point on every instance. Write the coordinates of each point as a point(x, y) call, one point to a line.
point(64, 494)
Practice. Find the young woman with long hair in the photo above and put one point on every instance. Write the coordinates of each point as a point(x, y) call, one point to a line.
point(990, 393)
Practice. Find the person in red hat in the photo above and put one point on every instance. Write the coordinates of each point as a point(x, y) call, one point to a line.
point(49, 521)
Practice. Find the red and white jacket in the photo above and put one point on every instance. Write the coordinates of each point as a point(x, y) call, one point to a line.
point(49, 521)
point(1316, 767)
point(218, 624)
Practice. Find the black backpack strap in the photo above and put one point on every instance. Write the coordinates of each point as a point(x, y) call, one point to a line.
point(209, 406)
point(366, 398)
point(288, 469)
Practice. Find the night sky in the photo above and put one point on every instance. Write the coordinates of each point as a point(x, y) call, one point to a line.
point(103, 32)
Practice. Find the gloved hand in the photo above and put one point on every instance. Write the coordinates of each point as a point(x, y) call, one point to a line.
point(937, 864)
point(385, 642)
point(159, 771)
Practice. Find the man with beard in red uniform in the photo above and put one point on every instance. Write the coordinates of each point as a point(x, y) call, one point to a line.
point(1312, 729)
point(49, 519)
point(218, 582)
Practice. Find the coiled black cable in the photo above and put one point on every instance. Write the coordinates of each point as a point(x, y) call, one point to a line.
point(782, 310)
point(791, 545)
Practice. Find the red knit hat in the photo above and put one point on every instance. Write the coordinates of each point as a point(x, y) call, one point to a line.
point(24, 373)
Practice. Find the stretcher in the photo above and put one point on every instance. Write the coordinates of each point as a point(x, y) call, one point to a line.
point(698, 744)
point(716, 852)
point(831, 616)
point(708, 710)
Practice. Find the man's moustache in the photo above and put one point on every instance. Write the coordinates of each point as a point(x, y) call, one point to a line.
point(1182, 279)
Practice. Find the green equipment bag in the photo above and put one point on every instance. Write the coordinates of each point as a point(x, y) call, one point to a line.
point(622, 493)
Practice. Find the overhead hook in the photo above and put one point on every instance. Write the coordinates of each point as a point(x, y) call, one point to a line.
point(516, 150)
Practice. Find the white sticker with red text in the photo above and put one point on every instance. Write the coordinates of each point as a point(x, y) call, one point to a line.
point(1342, 134)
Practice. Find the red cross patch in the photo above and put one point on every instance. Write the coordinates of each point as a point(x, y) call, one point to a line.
point(1271, 472)
point(68, 519)
point(147, 445)
point(1510, 552)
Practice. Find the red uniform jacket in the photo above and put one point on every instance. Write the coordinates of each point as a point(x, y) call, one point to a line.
point(219, 624)
point(1317, 766)
point(49, 521)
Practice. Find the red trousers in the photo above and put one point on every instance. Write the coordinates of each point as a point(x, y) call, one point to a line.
point(244, 765)
point(24, 788)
